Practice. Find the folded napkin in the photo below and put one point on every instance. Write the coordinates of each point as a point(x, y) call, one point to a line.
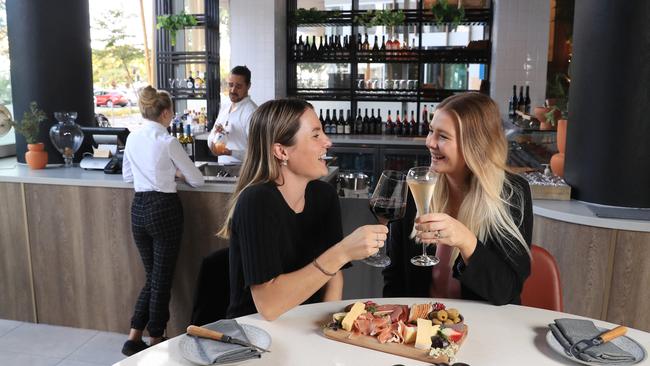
point(206, 351)
point(570, 331)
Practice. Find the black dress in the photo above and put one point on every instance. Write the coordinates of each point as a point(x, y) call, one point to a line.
point(268, 238)
point(490, 275)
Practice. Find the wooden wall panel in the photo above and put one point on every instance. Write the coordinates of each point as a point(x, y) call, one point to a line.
point(16, 296)
point(88, 271)
point(629, 300)
point(582, 253)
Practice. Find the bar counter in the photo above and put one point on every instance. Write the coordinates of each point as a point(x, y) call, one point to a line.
point(69, 259)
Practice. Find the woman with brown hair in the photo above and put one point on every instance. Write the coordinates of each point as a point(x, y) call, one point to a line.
point(284, 225)
point(152, 161)
point(483, 218)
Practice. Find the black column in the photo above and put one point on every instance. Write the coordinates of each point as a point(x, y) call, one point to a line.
point(51, 63)
point(608, 152)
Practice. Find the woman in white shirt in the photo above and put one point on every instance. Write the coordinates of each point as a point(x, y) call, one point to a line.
point(152, 161)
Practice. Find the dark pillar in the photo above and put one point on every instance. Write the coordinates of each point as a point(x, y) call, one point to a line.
point(51, 63)
point(608, 154)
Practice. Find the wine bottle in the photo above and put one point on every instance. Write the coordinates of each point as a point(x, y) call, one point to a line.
point(366, 123)
point(320, 48)
point(425, 115)
point(328, 123)
point(522, 103)
point(514, 102)
point(390, 127)
point(322, 121)
point(313, 50)
point(413, 130)
point(375, 46)
point(335, 122)
point(348, 124)
point(340, 127)
point(527, 100)
point(300, 47)
point(189, 142)
point(366, 44)
point(379, 126)
point(399, 127)
point(358, 125)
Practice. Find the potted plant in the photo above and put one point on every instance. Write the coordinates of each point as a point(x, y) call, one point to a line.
point(175, 22)
point(374, 18)
point(312, 16)
point(442, 12)
point(36, 157)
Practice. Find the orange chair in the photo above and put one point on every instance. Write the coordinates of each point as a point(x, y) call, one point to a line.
point(543, 288)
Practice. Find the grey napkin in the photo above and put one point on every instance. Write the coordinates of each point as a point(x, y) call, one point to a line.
point(570, 331)
point(207, 351)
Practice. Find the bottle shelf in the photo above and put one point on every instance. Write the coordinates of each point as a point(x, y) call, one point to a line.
point(441, 55)
point(188, 57)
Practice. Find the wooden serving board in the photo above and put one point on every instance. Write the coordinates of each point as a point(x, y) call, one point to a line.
point(404, 350)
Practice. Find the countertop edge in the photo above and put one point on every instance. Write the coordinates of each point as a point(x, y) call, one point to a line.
point(576, 212)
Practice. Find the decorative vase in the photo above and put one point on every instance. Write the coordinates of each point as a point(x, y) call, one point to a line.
point(66, 136)
point(36, 156)
point(557, 160)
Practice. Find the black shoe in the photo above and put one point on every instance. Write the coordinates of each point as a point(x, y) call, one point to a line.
point(132, 347)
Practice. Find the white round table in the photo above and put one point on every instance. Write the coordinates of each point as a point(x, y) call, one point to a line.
point(498, 335)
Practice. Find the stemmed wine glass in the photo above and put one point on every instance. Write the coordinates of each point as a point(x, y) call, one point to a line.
point(421, 181)
point(388, 203)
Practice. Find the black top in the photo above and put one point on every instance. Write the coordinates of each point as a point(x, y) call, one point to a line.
point(490, 275)
point(268, 238)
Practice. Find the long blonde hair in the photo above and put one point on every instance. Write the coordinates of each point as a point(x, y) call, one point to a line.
point(485, 208)
point(276, 121)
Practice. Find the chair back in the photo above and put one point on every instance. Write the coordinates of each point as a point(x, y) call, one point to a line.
point(212, 294)
point(543, 288)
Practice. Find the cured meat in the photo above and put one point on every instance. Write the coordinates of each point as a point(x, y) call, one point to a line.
point(368, 324)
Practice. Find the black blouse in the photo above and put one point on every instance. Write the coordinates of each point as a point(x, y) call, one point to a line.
point(490, 275)
point(268, 238)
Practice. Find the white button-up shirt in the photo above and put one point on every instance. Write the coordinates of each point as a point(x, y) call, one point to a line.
point(151, 157)
point(235, 119)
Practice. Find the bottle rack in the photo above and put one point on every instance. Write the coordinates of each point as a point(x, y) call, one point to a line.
point(474, 53)
point(169, 58)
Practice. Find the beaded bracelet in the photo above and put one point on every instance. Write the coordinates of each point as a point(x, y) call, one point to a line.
point(323, 270)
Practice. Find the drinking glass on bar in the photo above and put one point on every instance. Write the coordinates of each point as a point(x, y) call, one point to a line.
point(388, 203)
point(421, 181)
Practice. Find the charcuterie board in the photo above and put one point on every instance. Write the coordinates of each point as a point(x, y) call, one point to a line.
point(402, 346)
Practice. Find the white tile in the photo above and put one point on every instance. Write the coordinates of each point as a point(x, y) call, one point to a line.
point(103, 348)
point(45, 340)
point(7, 325)
point(21, 359)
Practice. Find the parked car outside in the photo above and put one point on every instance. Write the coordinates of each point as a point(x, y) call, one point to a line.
point(110, 98)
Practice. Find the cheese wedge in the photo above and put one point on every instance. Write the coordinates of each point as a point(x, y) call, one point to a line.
point(357, 309)
point(424, 333)
point(409, 334)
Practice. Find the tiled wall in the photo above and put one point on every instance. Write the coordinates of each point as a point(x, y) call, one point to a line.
point(519, 49)
point(258, 40)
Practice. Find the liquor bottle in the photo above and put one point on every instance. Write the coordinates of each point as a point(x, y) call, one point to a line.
point(328, 123)
point(390, 127)
point(335, 121)
point(322, 121)
point(522, 103)
point(358, 124)
point(348, 124)
point(514, 102)
point(527, 100)
point(340, 127)
point(399, 127)
point(189, 142)
point(366, 123)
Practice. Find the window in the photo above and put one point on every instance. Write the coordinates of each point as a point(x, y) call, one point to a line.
point(8, 141)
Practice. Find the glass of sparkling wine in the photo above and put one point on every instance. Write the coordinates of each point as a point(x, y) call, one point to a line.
point(388, 203)
point(421, 181)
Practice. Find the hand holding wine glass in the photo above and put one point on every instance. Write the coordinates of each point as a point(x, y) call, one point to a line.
point(422, 181)
point(388, 203)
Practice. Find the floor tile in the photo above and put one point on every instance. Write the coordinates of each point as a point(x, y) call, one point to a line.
point(8, 325)
point(45, 340)
point(21, 359)
point(104, 348)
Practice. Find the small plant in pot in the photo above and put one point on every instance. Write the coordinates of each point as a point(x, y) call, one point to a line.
point(175, 22)
point(29, 127)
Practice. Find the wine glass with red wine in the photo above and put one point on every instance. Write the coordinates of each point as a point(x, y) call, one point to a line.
point(388, 203)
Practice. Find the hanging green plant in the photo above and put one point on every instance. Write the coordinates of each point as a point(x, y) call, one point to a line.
point(312, 16)
point(374, 18)
point(29, 126)
point(175, 22)
point(444, 13)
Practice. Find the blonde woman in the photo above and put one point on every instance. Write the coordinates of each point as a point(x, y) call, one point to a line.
point(284, 225)
point(483, 218)
point(152, 161)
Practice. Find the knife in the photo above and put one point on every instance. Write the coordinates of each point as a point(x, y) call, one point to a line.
point(218, 336)
point(607, 336)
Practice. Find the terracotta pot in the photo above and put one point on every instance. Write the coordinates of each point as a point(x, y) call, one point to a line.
point(561, 135)
point(36, 157)
point(557, 164)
